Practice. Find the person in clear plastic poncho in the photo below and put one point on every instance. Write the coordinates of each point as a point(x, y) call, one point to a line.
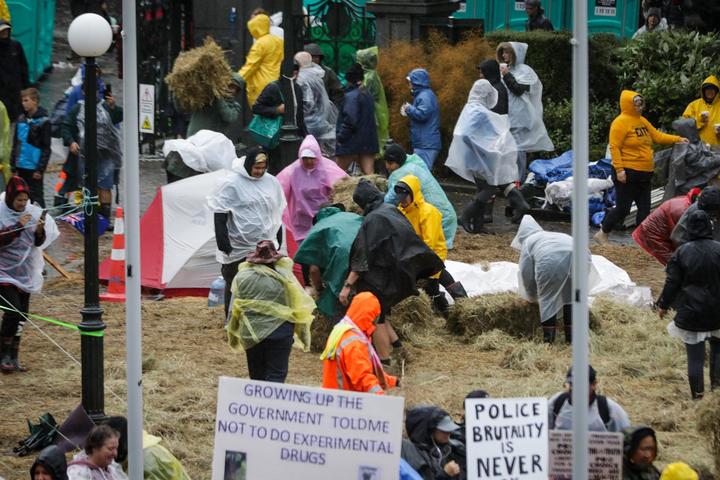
point(320, 113)
point(544, 276)
point(368, 59)
point(484, 151)
point(270, 312)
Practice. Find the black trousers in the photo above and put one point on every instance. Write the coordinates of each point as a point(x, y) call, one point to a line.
point(636, 189)
point(13, 298)
point(696, 361)
point(228, 272)
point(37, 194)
point(268, 360)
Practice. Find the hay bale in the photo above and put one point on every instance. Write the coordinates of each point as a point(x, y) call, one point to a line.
point(708, 424)
point(505, 311)
point(345, 187)
point(412, 317)
point(199, 76)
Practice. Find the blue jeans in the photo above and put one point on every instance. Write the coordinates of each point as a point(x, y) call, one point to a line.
point(427, 155)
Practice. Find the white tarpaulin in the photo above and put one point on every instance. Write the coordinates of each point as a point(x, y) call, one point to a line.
point(206, 151)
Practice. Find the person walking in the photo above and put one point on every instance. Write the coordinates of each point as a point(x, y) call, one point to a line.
point(631, 140)
point(349, 359)
point(320, 114)
point(25, 230)
point(262, 64)
point(368, 59)
point(32, 145)
point(424, 115)
point(14, 75)
point(692, 289)
point(536, 17)
point(357, 135)
point(333, 87)
point(270, 309)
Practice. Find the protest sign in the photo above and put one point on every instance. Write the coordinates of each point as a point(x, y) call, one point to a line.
point(273, 430)
point(605, 452)
point(507, 438)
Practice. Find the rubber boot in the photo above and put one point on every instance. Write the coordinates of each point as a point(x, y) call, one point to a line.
point(468, 216)
point(441, 304)
point(518, 203)
point(14, 351)
point(456, 290)
point(548, 329)
point(488, 213)
point(6, 364)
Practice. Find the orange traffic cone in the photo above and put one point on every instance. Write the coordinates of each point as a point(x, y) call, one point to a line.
point(116, 282)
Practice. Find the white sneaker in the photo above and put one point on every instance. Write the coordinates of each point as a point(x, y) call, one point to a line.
point(602, 238)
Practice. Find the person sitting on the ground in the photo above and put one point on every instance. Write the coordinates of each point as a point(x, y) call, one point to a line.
point(349, 359)
point(692, 289)
point(639, 453)
point(545, 268)
point(706, 111)
point(653, 234)
point(97, 460)
point(460, 433)
point(679, 471)
point(269, 309)
point(424, 115)
point(387, 258)
point(429, 448)
point(653, 23)
point(709, 202)
point(604, 415)
point(248, 208)
point(426, 220)
point(49, 465)
point(307, 184)
point(326, 252)
point(400, 164)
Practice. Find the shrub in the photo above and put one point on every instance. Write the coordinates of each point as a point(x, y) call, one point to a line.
point(558, 121)
point(667, 68)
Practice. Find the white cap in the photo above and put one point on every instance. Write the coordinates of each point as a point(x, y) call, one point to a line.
point(306, 152)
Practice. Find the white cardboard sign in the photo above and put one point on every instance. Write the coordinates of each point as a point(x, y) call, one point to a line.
point(147, 108)
point(507, 438)
point(273, 430)
point(605, 455)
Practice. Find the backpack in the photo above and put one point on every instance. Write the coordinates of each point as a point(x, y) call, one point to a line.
point(602, 404)
point(57, 116)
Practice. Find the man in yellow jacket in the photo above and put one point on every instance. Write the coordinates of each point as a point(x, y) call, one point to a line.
point(706, 111)
point(262, 64)
point(426, 220)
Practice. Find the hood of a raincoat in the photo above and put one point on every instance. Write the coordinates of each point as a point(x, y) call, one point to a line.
point(413, 183)
point(626, 102)
point(367, 196)
point(709, 82)
point(53, 459)
point(632, 436)
point(483, 93)
point(709, 199)
point(679, 471)
point(528, 227)
point(363, 310)
point(237, 80)
point(519, 50)
point(243, 165)
point(419, 79)
point(15, 187)
point(326, 212)
point(368, 58)
point(699, 225)
point(303, 59)
point(259, 26)
point(310, 144)
point(491, 70)
point(420, 421)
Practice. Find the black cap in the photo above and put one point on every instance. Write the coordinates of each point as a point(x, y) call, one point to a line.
point(394, 153)
point(591, 374)
point(314, 50)
point(402, 188)
point(477, 394)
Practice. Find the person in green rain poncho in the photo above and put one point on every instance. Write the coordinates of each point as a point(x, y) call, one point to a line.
point(368, 59)
point(326, 249)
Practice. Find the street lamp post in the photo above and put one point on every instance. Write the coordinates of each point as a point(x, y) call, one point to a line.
point(90, 36)
point(289, 133)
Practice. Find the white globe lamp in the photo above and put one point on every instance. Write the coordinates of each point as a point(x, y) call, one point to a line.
point(89, 35)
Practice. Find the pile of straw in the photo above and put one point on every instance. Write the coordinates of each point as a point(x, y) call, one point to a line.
point(412, 318)
point(320, 331)
point(344, 188)
point(200, 76)
point(505, 311)
point(708, 425)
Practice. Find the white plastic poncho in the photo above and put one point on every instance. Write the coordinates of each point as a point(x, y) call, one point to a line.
point(526, 111)
point(206, 151)
point(255, 206)
point(21, 262)
point(482, 143)
point(545, 267)
point(320, 113)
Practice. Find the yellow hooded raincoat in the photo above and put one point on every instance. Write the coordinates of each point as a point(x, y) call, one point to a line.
point(262, 64)
point(425, 218)
point(696, 107)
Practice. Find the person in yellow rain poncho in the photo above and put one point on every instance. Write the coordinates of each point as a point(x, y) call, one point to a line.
point(426, 220)
point(368, 59)
point(158, 462)
point(706, 111)
point(270, 312)
point(262, 64)
point(5, 146)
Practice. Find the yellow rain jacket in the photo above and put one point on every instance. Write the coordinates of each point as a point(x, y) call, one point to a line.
point(5, 146)
point(695, 109)
point(262, 64)
point(158, 462)
point(425, 219)
point(4, 12)
point(264, 299)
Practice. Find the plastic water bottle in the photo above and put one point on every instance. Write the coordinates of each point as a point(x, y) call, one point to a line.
point(216, 296)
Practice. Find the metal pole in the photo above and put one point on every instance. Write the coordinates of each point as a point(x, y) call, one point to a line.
point(133, 320)
point(580, 223)
point(91, 347)
point(289, 136)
